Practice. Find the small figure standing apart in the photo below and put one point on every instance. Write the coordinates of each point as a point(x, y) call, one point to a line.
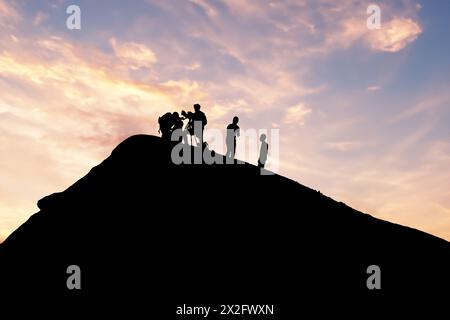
point(263, 151)
point(232, 133)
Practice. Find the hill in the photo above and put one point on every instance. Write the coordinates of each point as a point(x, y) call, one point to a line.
point(150, 234)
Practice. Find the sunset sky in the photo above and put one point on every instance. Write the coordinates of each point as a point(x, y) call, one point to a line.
point(363, 115)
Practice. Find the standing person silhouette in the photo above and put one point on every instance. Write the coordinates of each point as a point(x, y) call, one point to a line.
point(263, 151)
point(196, 118)
point(233, 131)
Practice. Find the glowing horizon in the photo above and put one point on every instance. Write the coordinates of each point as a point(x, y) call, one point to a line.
point(363, 114)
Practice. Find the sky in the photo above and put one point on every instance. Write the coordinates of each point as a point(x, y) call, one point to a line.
point(363, 115)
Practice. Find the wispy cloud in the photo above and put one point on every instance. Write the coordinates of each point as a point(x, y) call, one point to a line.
point(40, 18)
point(373, 88)
point(428, 103)
point(9, 15)
point(206, 6)
point(133, 54)
point(343, 145)
point(296, 114)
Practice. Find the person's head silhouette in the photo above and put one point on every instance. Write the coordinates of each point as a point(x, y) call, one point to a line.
point(176, 115)
point(197, 107)
point(235, 120)
point(262, 138)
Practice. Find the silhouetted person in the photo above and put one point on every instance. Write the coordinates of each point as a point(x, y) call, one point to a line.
point(197, 116)
point(165, 125)
point(177, 123)
point(263, 151)
point(232, 133)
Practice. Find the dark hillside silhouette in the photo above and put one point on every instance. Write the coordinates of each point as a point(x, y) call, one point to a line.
point(149, 235)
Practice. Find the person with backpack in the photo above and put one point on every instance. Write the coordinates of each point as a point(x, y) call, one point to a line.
point(166, 122)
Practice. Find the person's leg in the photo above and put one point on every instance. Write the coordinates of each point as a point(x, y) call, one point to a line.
point(195, 140)
point(198, 141)
point(229, 147)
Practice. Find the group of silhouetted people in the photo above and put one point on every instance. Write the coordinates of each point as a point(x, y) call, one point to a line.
point(170, 122)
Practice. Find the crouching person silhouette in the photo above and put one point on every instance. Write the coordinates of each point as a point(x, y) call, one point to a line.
point(263, 151)
point(177, 127)
point(166, 122)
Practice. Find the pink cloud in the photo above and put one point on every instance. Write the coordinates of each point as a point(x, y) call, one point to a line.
point(40, 18)
point(9, 15)
point(394, 35)
point(373, 88)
